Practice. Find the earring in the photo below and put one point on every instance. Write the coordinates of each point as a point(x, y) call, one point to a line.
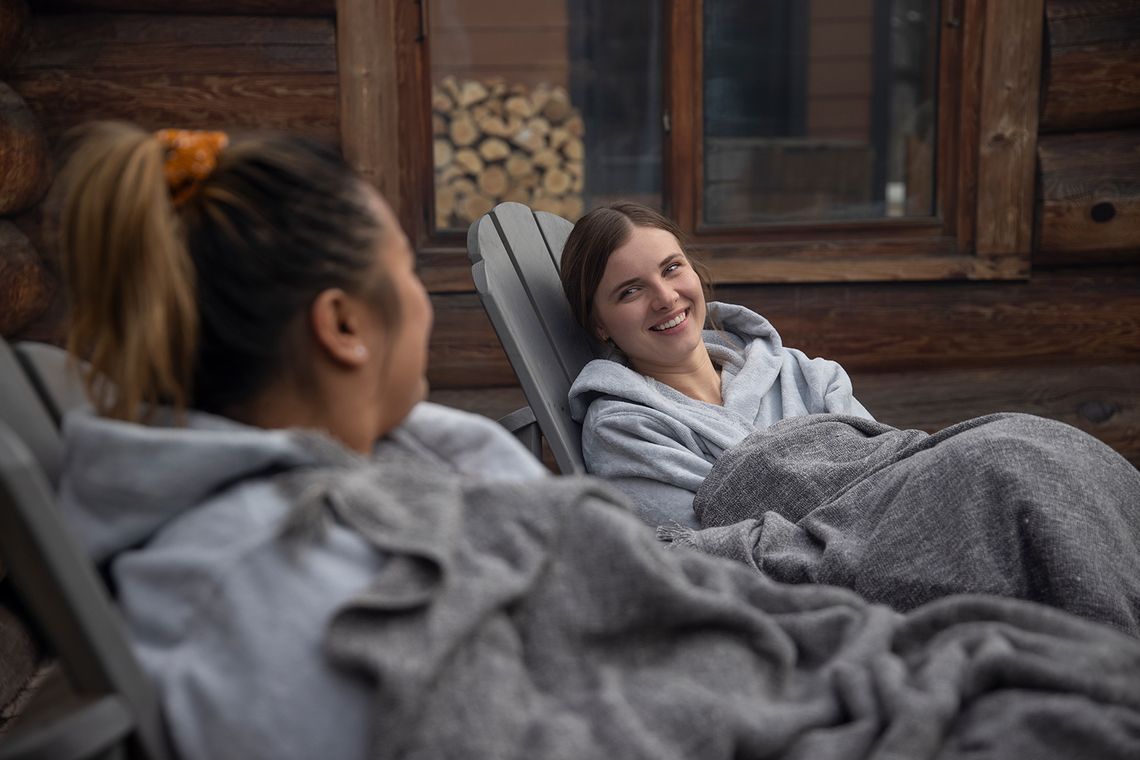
point(360, 352)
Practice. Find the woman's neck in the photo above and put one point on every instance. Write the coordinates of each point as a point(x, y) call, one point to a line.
point(698, 379)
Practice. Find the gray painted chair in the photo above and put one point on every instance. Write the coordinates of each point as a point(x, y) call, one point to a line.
point(116, 713)
point(515, 254)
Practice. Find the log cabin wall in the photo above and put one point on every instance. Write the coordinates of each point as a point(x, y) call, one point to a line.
point(1064, 344)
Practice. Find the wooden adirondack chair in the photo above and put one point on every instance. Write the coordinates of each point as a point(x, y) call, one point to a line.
point(515, 254)
point(115, 710)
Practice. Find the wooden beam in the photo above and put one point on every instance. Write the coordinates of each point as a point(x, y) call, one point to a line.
point(184, 7)
point(1058, 316)
point(383, 105)
point(26, 288)
point(204, 72)
point(1092, 65)
point(14, 15)
point(1089, 197)
point(1101, 399)
point(1010, 80)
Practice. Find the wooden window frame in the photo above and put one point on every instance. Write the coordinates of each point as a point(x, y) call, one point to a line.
point(988, 91)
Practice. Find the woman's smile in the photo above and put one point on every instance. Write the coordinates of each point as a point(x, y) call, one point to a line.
point(672, 325)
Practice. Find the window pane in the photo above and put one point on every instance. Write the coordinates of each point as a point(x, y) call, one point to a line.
point(818, 110)
point(552, 103)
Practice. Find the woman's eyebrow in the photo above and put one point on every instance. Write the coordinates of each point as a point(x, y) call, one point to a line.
point(626, 283)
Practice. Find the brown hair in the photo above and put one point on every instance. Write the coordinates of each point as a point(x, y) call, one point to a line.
point(202, 306)
point(594, 239)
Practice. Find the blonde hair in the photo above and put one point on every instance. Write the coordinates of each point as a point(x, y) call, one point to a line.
point(129, 281)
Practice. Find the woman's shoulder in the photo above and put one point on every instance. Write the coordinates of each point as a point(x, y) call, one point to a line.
point(466, 442)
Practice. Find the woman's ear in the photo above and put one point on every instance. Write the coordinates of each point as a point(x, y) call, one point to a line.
point(338, 325)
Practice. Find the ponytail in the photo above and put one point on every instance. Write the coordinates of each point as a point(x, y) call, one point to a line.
point(128, 278)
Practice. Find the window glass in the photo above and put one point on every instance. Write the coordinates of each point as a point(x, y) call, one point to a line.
point(818, 110)
point(552, 103)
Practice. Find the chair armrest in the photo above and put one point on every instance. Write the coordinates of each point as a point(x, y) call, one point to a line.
point(524, 426)
point(86, 731)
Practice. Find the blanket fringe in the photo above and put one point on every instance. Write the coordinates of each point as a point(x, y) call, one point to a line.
point(676, 535)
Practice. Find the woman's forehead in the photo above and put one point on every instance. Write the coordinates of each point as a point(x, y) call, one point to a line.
point(645, 247)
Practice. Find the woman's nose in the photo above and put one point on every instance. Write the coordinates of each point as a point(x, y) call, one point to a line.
point(664, 296)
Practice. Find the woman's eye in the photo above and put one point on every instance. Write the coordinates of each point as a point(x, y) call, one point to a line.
point(627, 293)
point(673, 267)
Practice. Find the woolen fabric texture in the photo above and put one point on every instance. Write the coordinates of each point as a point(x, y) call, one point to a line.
point(540, 620)
point(225, 600)
point(1008, 504)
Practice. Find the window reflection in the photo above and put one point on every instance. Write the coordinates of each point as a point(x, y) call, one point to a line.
point(818, 110)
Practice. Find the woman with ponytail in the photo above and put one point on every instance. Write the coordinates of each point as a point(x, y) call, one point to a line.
point(255, 304)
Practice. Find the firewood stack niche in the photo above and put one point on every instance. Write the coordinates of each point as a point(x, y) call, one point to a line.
point(494, 142)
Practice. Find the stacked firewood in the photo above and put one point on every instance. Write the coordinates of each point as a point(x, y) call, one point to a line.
point(493, 142)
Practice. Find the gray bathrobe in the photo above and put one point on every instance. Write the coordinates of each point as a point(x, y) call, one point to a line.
point(658, 445)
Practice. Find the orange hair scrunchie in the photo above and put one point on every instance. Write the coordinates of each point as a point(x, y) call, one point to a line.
point(190, 158)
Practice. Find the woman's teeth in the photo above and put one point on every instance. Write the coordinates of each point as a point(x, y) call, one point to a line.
point(672, 322)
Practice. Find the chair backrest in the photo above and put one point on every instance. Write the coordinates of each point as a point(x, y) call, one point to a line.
point(25, 409)
point(515, 254)
point(58, 585)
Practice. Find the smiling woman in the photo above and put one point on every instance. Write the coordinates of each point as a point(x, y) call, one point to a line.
point(655, 422)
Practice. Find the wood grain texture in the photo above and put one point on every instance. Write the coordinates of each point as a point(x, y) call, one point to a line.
point(230, 72)
point(1064, 316)
point(1089, 197)
point(184, 7)
point(25, 167)
point(14, 16)
point(1011, 75)
point(26, 288)
point(1092, 65)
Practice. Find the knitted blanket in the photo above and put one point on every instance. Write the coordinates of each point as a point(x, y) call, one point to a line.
point(1008, 504)
point(542, 620)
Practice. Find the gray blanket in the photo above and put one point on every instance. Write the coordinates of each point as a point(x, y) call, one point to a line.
point(542, 620)
point(1008, 504)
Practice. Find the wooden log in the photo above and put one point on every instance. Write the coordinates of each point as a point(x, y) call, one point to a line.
point(519, 106)
point(26, 289)
point(14, 15)
point(471, 92)
point(519, 165)
point(574, 150)
point(493, 182)
point(547, 159)
point(1092, 65)
point(475, 206)
point(25, 163)
point(494, 149)
point(1102, 400)
point(1089, 197)
point(468, 160)
point(556, 182)
point(495, 126)
point(441, 102)
point(442, 153)
point(278, 8)
point(188, 71)
point(1061, 317)
point(557, 107)
point(463, 131)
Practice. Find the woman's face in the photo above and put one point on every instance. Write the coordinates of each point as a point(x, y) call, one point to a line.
point(651, 303)
point(401, 349)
